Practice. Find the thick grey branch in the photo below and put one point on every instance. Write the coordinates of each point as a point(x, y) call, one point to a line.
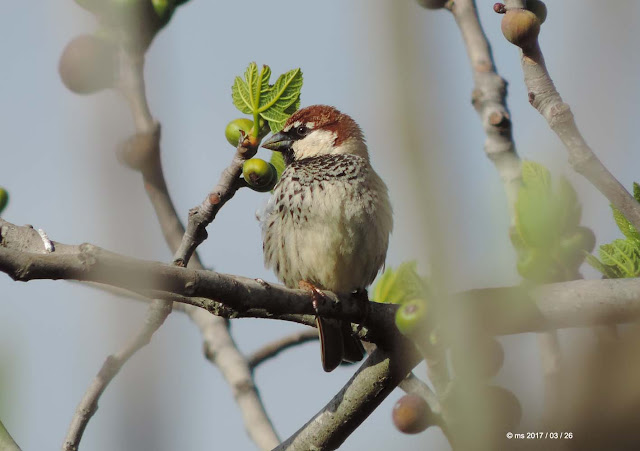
point(499, 311)
point(369, 386)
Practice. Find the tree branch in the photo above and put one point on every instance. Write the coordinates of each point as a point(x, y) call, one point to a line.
point(545, 98)
point(499, 311)
point(273, 349)
point(142, 152)
point(157, 313)
point(369, 386)
point(489, 99)
point(202, 215)
point(414, 385)
point(6, 441)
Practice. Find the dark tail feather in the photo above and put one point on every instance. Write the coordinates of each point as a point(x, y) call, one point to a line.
point(337, 344)
point(353, 349)
point(331, 343)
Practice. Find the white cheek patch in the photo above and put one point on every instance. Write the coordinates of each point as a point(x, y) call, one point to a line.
point(319, 142)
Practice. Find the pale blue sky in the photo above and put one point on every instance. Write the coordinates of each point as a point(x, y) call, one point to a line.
point(59, 165)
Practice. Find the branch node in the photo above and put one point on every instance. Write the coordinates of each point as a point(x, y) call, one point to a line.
point(559, 113)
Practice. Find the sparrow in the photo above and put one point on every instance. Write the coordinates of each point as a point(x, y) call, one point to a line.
point(328, 221)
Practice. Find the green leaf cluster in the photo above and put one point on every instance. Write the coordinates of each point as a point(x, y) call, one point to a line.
point(400, 285)
point(274, 103)
point(620, 258)
point(549, 241)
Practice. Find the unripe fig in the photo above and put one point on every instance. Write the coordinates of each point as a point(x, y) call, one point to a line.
point(466, 401)
point(87, 64)
point(520, 27)
point(259, 175)
point(432, 4)
point(232, 132)
point(504, 405)
point(487, 359)
point(411, 316)
point(411, 414)
point(164, 8)
point(538, 8)
point(4, 199)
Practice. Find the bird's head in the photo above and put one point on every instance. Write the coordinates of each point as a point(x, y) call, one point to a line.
point(318, 130)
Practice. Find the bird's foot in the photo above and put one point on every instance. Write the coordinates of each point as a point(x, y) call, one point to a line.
point(362, 298)
point(317, 296)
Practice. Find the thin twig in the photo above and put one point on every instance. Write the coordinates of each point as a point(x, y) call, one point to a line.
point(131, 84)
point(550, 360)
point(142, 152)
point(157, 313)
point(412, 384)
point(205, 213)
point(273, 349)
point(489, 99)
point(545, 98)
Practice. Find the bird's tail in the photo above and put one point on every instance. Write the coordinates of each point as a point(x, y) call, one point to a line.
point(338, 344)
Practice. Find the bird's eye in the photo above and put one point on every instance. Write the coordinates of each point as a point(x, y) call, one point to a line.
point(301, 131)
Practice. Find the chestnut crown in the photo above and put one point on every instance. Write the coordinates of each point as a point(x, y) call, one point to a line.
point(318, 130)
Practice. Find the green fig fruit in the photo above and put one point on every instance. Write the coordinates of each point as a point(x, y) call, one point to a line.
point(232, 132)
point(260, 175)
point(411, 316)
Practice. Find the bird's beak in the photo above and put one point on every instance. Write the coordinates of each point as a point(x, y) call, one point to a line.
point(279, 142)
